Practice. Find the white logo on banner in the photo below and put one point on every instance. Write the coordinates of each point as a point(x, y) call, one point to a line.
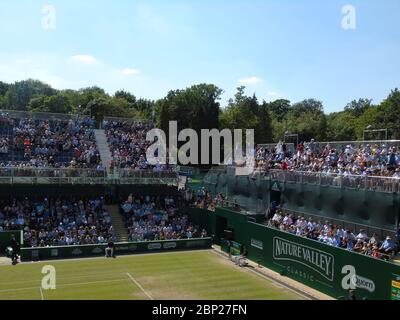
point(352, 281)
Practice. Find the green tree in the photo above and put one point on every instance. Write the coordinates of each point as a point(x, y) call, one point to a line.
point(358, 107)
point(390, 112)
point(20, 93)
point(37, 103)
point(125, 95)
point(244, 112)
point(341, 126)
point(58, 103)
point(307, 119)
point(3, 88)
point(279, 108)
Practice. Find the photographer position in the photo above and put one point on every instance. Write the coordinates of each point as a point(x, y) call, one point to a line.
point(13, 250)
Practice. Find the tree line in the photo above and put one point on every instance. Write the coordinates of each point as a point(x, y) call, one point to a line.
point(199, 107)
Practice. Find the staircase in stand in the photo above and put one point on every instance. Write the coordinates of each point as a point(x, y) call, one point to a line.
point(118, 224)
point(103, 147)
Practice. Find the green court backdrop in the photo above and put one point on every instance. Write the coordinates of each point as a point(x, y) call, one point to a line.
point(330, 270)
point(64, 252)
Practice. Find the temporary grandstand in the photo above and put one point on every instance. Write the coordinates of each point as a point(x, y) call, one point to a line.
point(148, 209)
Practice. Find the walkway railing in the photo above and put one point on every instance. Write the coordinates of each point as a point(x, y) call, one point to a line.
point(342, 144)
point(128, 120)
point(362, 182)
point(373, 183)
point(131, 176)
point(16, 114)
point(18, 175)
point(271, 146)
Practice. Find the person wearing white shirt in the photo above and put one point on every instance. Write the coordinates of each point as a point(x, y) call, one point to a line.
point(362, 235)
point(287, 220)
point(277, 218)
point(310, 225)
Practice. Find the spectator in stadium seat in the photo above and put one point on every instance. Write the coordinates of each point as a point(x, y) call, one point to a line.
point(358, 246)
point(276, 219)
point(362, 235)
point(374, 240)
point(388, 246)
point(375, 252)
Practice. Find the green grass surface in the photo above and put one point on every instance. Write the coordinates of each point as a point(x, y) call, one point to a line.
point(180, 275)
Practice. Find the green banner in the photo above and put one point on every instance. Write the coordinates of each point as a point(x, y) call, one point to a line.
point(331, 270)
point(236, 247)
point(395, 287)
point(34, 254)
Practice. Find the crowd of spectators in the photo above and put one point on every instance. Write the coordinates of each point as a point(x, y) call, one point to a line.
point(203, 199)
point(128, 145)
point(154, 218)
point(350, 159)
point(57, 222)
point(27, 142)
point(334, 235)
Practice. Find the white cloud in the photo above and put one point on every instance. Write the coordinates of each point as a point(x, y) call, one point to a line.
point(130, 71)
point(84, 58)
point(272, 93)
point(250, 80)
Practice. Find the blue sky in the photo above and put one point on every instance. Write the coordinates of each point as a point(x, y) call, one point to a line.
point(293, 49)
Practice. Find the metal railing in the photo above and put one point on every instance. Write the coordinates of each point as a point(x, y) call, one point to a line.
point(27, 175)
point(187, 170)
point(31, 175)
point(132, 173)
point(128, 120)
point(373, 183)
point(342, 144)
point(351, 225)
point(271, 146)
point(362, 182)
point(16, 114)
point(131, 176)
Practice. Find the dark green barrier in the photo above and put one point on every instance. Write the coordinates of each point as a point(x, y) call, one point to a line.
point(328, 269)
point(202, 218)
point(34, 254)
point(367, 208)
point(236, 247)
point(5, 237)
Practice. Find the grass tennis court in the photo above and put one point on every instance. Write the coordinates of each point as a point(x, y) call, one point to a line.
point(179, 275)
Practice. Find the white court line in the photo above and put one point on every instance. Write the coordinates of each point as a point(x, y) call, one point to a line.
point(41, 293)
point(140, 287)
point(65, 285)
point(61, 278)
point(102, 257)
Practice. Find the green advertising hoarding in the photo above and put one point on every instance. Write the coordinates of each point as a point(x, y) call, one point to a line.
point(64, 252)
point(395, 287)
point(331, 270)
point(236, 248)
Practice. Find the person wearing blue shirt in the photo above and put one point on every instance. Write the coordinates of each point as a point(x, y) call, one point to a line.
point(387, 246)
